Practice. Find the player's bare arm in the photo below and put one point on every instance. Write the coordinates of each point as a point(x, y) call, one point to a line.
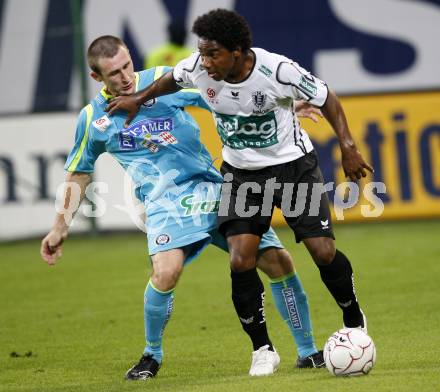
point(131, 103)
point(352, 161)
point(51, 245)
point(305, 109)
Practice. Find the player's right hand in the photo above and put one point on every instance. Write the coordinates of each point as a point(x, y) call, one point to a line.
point(306, 110)
point(128, 103)
point(51, 246)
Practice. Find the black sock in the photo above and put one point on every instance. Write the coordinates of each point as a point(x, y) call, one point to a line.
point(248, 299)
point(338, 277)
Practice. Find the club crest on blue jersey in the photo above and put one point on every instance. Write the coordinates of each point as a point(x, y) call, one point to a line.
point(148, 133)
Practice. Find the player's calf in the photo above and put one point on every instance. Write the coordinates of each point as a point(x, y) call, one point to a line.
point(338, 278)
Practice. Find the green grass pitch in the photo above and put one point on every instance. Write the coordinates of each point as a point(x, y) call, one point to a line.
point(81, 322)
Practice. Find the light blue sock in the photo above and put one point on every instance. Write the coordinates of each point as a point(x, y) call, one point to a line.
point(158, 306)
point(291, 302)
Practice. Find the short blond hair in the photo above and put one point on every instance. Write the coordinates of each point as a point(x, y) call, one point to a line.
point(105, 46)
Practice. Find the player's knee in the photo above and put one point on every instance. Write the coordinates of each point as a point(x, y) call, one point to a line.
point(166, 278)
point(283, 261)
point(324, 254)
point(241, 263)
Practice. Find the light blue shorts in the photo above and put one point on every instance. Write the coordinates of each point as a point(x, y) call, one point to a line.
point(198, 241)
point(191, 221)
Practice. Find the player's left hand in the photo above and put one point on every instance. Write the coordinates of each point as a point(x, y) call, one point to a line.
point(128, 103)
point(306, 110)
point(51, 246)
point(353, 163)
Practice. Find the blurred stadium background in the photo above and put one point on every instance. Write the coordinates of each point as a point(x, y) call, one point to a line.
point(380, 56)
point(79, 326)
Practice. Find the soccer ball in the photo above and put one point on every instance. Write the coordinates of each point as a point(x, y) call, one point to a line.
point(349, 352)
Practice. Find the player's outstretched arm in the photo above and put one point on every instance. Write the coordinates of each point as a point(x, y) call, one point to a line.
point(51, 245)
point(131, 103)
point(352, 160)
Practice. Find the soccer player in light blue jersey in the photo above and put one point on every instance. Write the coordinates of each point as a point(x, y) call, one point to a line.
point(175, 179)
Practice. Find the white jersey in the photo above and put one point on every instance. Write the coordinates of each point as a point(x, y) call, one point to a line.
point(254, 118)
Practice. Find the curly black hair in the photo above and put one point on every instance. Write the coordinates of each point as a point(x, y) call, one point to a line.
point(226, 27)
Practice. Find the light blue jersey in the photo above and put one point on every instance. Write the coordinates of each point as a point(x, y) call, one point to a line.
point(171, 169)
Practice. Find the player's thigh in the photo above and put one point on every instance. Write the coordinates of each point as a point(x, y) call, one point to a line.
point(313, 219)
point(242, 202)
